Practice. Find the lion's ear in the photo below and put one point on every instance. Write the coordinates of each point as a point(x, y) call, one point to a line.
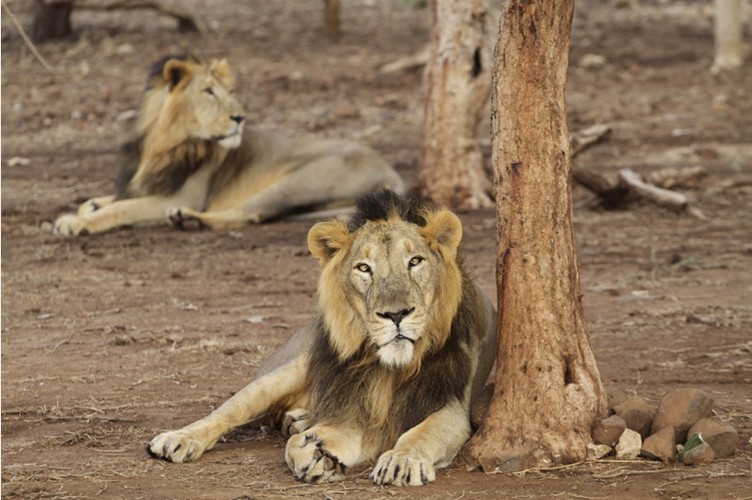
point(176, 71)
point(444, 228)
point(325, 239)
point(220, 68)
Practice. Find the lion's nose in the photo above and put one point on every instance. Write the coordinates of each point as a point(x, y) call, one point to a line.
point(396, 317)
point(237, 118)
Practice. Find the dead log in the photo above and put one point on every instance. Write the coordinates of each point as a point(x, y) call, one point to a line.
point(186, 21)
point(668, 178)
point(584, 139)
point(659, 196)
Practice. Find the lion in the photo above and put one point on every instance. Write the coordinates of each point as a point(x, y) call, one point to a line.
point(403, 343)
point(193, 162)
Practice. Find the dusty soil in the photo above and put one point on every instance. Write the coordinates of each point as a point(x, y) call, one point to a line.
point(108, 340)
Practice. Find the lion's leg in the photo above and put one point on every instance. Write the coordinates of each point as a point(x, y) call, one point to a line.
point(328, 181)
point(148, 210)
point(94, 204)
point(222, 220)
point(432, 443)
point(190, 442)
point(323, 453)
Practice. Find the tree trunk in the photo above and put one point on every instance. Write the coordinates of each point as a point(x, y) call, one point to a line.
point(457, 84)
point(331, 18)
point(548, 392)
point(51, 21)
point(728, 35)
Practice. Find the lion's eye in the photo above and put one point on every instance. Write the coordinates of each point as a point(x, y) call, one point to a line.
point(363, 268)
point(209, 91)
point(415, 261)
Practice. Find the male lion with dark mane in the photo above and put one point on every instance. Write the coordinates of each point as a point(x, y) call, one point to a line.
point(402, 345)
point(193, 161)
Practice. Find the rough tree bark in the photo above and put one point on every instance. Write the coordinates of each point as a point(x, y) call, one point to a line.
point(457, 82)
point(728, 35)
point(548, 391)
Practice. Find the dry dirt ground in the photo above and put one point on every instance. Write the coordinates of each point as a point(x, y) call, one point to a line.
point(109, 339)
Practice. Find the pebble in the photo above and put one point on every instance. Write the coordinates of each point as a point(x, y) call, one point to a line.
point(629, 446)
point(511, 460)
point(661, 445)
point(722, 437)
point(637, 414)
point(592, 61)
point(700, 454)
point(608, 430)
point(681, 408)
point(596, 451)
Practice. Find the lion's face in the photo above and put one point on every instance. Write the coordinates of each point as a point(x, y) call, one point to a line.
point(201, 101)
point(391, 284)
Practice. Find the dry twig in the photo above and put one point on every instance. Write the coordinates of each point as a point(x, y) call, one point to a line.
point(26, 38)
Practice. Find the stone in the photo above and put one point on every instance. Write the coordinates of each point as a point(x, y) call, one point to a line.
point(510, 460)
point(661, 445)
point(637, 414)
point(608, 430)
point(593, 61)
point(596, 451)
point(700, 454)
point(681, 408)
point(629, 446)
point(722, 437)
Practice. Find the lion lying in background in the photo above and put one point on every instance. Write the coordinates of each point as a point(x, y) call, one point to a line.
point(193, 161)
point(403, 343)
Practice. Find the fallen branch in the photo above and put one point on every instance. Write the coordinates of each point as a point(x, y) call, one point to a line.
point(668, 178)
point(407, 62)
point(659, 196)
point(613, 192)
point(584, 139)
point(186, 21)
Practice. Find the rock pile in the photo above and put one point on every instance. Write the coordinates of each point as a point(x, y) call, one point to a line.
point(680, 428)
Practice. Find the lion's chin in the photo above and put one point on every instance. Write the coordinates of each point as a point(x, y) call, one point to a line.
point(396, 354)
point(231, 141)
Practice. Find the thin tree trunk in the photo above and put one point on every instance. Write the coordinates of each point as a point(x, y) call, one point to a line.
point(548, 391)
point(331, 18)
point(457, 84)
point(728, 35)
point(51, 21)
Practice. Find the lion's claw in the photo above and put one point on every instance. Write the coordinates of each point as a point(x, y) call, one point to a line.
point(402, 469)
point(176, 446)
point(68, 225)
point(295, 421)
point(181, 218)
point(311, 461)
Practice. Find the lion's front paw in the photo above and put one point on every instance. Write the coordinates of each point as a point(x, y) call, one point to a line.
point(403, 469)
point(69, 225)
point(310, 461)
point(183, 218)
point(177, 446)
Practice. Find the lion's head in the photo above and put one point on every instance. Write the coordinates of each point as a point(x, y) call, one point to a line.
point(188, 99)
point(391, 280)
